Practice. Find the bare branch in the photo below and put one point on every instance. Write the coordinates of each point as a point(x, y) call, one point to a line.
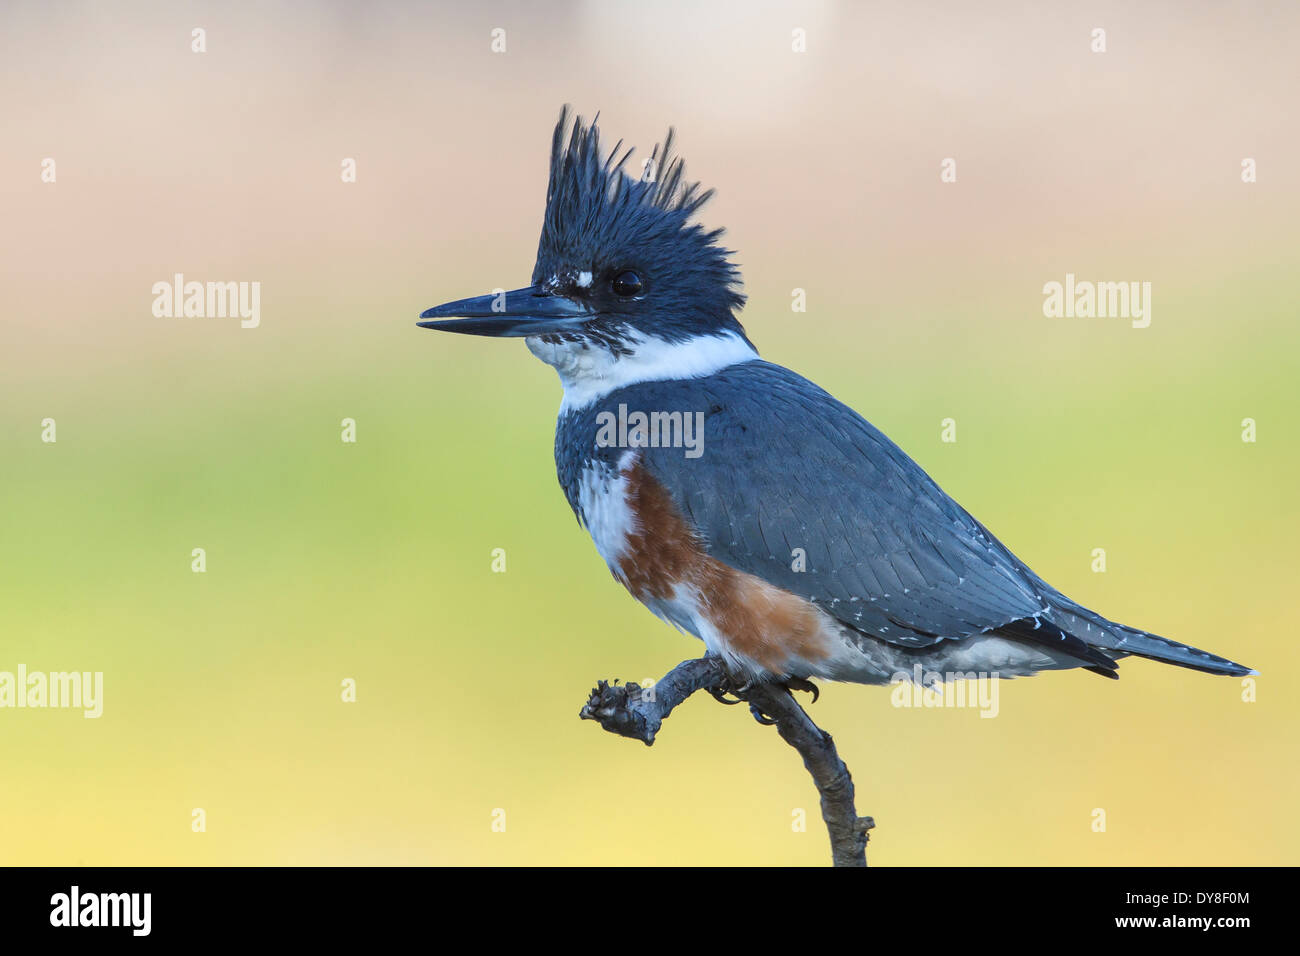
point(632, 711)
point(848, 831)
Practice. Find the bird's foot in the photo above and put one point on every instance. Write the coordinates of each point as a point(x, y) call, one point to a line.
point(739, 695)
point(733, 686)
point(790, 685)
point(720, 695)
point(735, 690)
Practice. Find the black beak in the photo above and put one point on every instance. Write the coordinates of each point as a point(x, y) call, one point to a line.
point(529, 311)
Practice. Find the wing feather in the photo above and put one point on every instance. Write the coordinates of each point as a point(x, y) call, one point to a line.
point(785, 466)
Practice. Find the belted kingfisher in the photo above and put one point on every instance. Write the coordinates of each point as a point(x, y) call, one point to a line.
point(797, 541)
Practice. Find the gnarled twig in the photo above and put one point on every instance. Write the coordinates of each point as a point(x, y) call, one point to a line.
point(632, 711)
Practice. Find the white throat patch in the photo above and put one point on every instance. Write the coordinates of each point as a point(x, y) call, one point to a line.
point(589, 372)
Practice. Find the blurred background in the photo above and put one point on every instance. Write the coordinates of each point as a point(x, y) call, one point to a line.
point(372, 561)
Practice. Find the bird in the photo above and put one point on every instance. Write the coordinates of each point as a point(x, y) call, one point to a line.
point(734, 498)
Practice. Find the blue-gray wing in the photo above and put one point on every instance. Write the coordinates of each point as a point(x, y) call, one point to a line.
point(796, 488)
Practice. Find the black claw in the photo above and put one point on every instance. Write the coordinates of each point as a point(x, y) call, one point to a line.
point(798, 683)
point(761, 717)
point(720, 695)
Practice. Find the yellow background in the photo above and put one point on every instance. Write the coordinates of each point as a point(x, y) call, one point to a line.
point(372, 561)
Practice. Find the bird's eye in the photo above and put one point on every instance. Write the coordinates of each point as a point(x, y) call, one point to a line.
point(627, 284)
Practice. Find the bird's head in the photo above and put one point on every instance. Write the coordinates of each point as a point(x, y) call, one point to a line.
point(626, 282)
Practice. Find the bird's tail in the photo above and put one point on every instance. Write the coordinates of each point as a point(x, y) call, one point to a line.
point(1119, 640)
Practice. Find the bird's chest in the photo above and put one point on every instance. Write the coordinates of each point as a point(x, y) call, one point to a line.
point(659, 561)
point(642, 539)
point(635, 527)
point(659, 556)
